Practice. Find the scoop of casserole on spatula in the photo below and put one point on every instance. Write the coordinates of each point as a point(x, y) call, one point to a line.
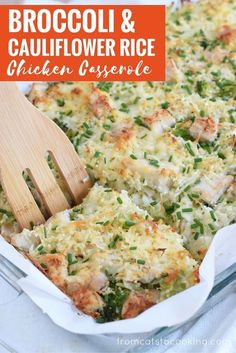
point(26, 136)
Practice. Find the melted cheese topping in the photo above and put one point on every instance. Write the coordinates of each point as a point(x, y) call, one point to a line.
point(107, 240)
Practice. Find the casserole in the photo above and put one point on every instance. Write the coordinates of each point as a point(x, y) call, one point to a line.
point(170, 145)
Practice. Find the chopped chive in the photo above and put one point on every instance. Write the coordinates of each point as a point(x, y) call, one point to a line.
point(179, 215)
point(170, 209)
point(124, 108)
point(112, 244)
point(140, 262)
point(100, 320)
point(182, 133)
point(186, 210)
point(85, 125)
point(213, 215)
point(60, 102)
point(108, 190)
point(40, 248)
point(211, 226)
point(105, 86)
point(154, 162)
point(96, 154)
point(190, 197)
point(8, 213)
point(85, 260)
point(143, 136)
point(206, 146)
point(138, 120)
point(133, 248)
point(136, 100)
point(119, 200)
point(196, 236)
point(201, 228)
point(45, 232)
point(198, 224)
point(71, 260)
point(216, 148)
point(202, 113)
point(77, 209)
point(195, 196)
point(165, 105)
point(187, 188)
point(180, 52)
point(72, 273)
point(231, 115)
point(189, 148)
point(128, 223)
point(43, 265)
point(186, 88)
point(102, 136)
point(176, 205)
point(104, 223)
point(170, 159)
point(154, 203)
point(133, 156)
point(106, 126)
point(53, 251)
point(150, 84)
point(111, 118)
point(69, 113)
point(201, 88)
point(221, 155)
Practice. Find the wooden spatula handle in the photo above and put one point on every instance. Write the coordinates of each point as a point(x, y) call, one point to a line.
point(26, 136)
point(12, 155)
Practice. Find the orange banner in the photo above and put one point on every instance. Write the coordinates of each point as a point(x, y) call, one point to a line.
point(97, 42)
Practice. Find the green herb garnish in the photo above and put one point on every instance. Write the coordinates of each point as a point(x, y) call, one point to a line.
point(71, 259)
point(60, 102)
point(128, 223)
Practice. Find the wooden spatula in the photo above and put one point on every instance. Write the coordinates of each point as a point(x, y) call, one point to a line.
point(26, 135)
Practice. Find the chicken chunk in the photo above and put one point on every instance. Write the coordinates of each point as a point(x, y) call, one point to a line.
point(25, 240)
point(100, 104)
point(204, 129)
point(136, 303)
point(98, 281)
point(159, 121)
point(173, 73)
point(160, 178)
point(227, 34)
point(216, 55)
point(211, 189)
point(87, 300)
point(122, 133)
point(56, 268)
